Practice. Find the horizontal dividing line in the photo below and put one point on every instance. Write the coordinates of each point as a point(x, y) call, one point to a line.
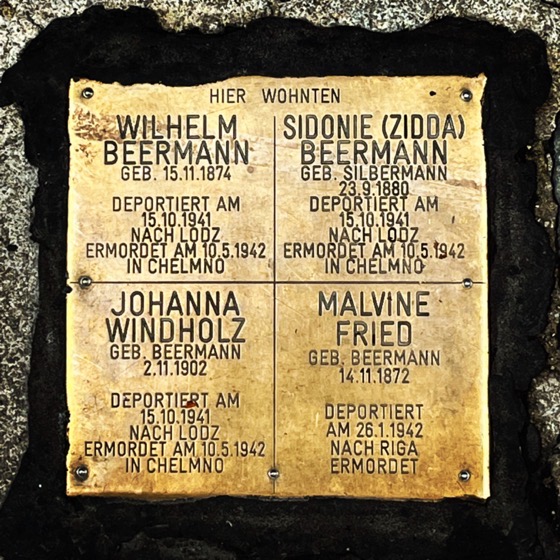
point(287, 282)
point(376, 282)
point(179, 282)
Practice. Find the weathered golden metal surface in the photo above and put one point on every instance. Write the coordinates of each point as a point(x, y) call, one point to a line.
point(279, 288)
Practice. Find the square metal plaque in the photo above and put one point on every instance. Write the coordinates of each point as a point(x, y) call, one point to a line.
point(279, 288)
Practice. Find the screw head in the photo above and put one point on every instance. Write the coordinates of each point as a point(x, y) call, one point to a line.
point(467, 283)
point(273, 473)
point(464, 475)
point(85, 282)
point(81, 473)
point(87, 93)
point(466, 95)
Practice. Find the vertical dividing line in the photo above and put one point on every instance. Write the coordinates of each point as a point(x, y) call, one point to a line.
point(274, 313)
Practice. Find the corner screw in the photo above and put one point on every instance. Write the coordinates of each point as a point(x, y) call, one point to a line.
point(467, 283)
point(464, 475)
point(273, 474)
point(466, 95)
point(85, 282)
point(87, 93)
point(81, 473)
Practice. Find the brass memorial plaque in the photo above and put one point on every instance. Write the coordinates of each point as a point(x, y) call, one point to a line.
point(279, 288)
